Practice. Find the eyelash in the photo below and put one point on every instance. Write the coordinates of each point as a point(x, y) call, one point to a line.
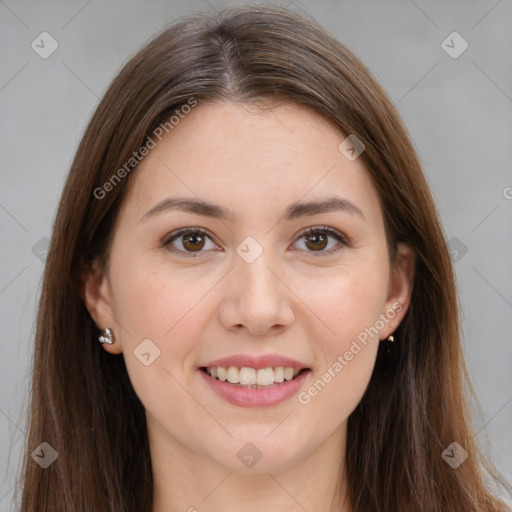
point(308, 231)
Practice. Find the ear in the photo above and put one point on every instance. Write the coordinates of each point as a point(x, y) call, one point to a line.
point(400, 288)
point(97, 296)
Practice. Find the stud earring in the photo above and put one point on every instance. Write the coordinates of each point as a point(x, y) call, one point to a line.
point(391, 346)
point(107, 336)
point(390, 356)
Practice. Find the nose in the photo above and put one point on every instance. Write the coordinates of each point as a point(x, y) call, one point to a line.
point(258, 300)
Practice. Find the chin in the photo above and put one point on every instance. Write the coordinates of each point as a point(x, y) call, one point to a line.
point(252, 450)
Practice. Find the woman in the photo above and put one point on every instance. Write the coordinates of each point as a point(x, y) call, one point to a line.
point(248, 300)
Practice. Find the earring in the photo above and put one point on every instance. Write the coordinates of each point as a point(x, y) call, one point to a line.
point(389, 356)
point(390, 345)
point(107, 336)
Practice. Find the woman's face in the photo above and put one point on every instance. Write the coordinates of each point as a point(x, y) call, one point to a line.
point(214, 280)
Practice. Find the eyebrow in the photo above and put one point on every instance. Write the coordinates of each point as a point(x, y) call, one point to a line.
point(294, 211)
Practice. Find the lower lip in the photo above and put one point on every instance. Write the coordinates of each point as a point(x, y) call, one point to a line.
point(252, 397)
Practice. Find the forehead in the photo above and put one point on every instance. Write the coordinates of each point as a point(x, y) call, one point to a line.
point(249, 159)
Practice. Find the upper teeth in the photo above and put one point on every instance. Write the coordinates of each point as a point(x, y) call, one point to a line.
point(251, 376)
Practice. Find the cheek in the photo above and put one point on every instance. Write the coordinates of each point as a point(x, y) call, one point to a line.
point(334, 393)
point(157, 302)
point(349, 307)
point(159, 312)
point(346, 302)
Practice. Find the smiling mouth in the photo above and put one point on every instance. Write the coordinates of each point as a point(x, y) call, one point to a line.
point(246, 377)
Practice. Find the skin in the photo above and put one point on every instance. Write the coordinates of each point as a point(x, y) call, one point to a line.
point(291, 301)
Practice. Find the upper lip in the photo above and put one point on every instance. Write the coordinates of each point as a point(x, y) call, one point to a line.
point(257, 362)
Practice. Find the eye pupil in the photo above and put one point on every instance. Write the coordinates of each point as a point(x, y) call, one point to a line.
point(317, 238)
point(196, 239)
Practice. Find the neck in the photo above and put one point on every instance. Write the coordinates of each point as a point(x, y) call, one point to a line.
point(187, 481)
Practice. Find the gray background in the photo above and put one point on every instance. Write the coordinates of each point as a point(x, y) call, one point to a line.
point(458, 111)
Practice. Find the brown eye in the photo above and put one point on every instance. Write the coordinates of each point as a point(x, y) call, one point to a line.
point(189, 242)
point(322, 240)
point(193, 241)
point(316, 241)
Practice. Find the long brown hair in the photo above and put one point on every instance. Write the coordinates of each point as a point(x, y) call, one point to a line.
point(82, 401)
